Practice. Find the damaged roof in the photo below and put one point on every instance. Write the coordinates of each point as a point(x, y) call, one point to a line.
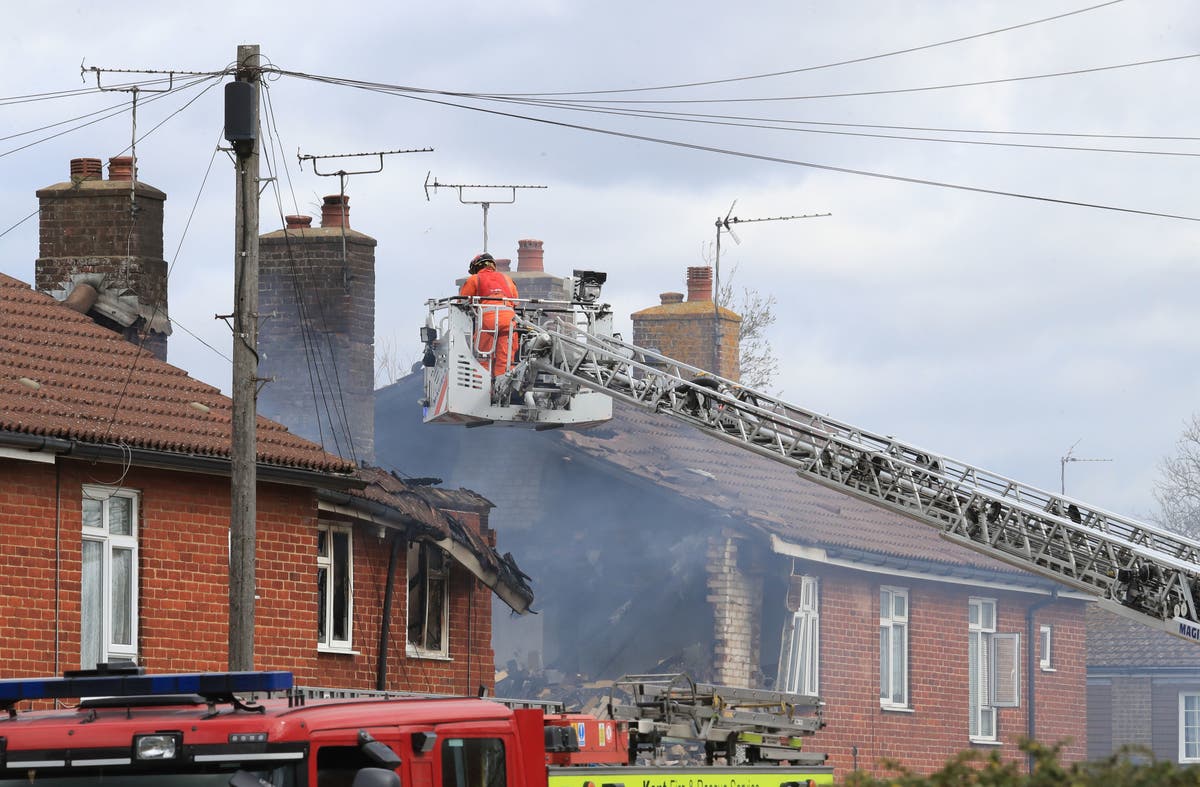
point(765, 494)
point(423, 512)
point(64, 376)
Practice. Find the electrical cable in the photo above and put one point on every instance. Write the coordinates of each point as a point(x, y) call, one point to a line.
point(318, 362)
point(19, 223)
point(881, 92)
point(791, 162)
point(112, 114)
point(852, 61)
point(699, 119)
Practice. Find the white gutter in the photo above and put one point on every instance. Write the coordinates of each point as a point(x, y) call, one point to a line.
point(818, 555)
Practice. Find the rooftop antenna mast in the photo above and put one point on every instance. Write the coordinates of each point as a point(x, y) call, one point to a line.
point(1070, 457)
point(726, 225)
point(343, 173)
point(459, 187)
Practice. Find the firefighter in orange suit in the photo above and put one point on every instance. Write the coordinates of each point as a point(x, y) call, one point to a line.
point(491, 287)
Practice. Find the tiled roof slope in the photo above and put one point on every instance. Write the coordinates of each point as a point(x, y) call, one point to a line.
point(93, 386)
point(766, 494)
point(1117, 642)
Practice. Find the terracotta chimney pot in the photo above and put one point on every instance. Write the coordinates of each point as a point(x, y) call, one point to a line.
point(120, 168)
point(699, 281)
point(83, 297)
point(298, 222)
point(86, 169)
point(504, 265)
point(335, 212)
point(671, 297)
point(530, 256)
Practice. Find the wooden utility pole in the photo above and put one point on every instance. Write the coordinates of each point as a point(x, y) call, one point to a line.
point(242, 527)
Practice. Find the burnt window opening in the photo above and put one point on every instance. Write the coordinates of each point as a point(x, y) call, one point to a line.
point(428, 600)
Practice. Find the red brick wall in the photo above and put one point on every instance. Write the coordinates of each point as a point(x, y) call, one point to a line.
point(936, 727)
point(184, 597)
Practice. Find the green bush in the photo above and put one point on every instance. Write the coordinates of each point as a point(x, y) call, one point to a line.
point(1131, 767)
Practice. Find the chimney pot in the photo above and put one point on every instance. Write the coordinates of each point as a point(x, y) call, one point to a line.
point(83, 297)
point(335, 212)
point(120, 168)
point(671, 297)
point(86, 169)
point(504, 265)
point(530, 256)
point(699, 281)
point(298, 222)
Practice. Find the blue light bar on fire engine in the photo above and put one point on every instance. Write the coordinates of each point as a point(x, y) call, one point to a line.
point(206, 684)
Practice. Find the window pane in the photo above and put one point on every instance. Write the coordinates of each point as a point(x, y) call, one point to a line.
point(433, 621)
point(92, 602)
point(900, 602)
point(341, 585)
point(93, 513)
point(987, 619)
point(120, 516)
point(885, 604)
point(973, 681)
point(885, 660)
point(322, 543)
point(973, 616)
point(899, 651)
point(322, 610)
point(122, 597)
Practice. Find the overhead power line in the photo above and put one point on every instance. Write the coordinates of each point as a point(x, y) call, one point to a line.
point(702, 119)
point(859, 93)
point(400, 93)
point(836, 64)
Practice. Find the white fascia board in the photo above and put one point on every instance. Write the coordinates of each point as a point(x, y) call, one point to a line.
point(45, 457)
point(818, 555)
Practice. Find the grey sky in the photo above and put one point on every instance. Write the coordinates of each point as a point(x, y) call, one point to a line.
point(995, 330)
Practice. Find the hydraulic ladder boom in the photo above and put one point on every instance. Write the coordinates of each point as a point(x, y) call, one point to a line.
point(1134, 569)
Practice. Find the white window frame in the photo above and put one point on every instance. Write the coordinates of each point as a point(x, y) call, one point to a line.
point(981, 628)
point(326, 640)
point(110, 543)
point(800, 648)
point(893, 647)
point(1186, 724)
point(414, 563)
point(1046, 648)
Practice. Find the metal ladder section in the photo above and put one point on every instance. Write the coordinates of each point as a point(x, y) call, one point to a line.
point(1134, 569)
point(674, 706)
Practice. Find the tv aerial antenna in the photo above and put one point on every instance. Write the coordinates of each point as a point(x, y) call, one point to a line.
point(1070, 457)
point(343, 173)
point(460, 187)
point(725, 225)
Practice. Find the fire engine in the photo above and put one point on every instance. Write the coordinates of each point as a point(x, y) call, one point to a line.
point(571, 365)
point(127, 729)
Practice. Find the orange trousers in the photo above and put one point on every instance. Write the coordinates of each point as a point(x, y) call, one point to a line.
point(495, 336)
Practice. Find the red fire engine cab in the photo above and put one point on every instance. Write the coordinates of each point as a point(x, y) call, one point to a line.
point(123, 728)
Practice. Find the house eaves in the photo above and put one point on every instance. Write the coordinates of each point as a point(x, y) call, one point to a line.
point(39, 448)
point(914, 568)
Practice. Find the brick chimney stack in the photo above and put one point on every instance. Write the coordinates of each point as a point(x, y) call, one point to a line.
point(93, 235)
point(688, 331)
point(319, 345)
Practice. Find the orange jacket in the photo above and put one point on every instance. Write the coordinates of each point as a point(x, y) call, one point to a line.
point(490, 286)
